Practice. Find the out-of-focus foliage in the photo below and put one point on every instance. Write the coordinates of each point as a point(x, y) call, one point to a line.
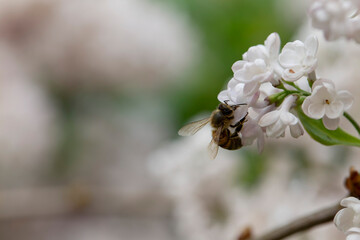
point(226, 30)
point(252, 168)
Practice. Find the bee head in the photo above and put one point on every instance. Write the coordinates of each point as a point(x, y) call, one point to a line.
point(226, 109)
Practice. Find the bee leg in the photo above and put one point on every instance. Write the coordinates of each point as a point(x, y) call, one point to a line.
point(238, 105)
point(238, 129)
point(236, 125)
point(234, 135)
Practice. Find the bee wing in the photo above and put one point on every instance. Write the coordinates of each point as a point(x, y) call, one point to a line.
point(213, 147)
point(192, 128)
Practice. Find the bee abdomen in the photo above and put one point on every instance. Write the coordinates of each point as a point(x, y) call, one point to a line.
point(233, 143)
point(228, 141)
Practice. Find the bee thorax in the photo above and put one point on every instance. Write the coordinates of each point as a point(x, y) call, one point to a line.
point(218, 119)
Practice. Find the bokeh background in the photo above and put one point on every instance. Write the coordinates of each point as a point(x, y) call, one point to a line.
point(92, 94)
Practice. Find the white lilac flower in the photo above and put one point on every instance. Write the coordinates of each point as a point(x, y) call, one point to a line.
point(234, 93)
point(252, 74)
point(327, 103)
point(269, 52)
point(336, 18)
point(278, 120)
point(259, 65)
point(348, 218)
point(298, 58)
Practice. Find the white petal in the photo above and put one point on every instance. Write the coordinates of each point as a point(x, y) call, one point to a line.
point(276, 130)
point(240, 113)
point(303, 84)
point(250, 88)
point(331, 124)
point(309, 64)
point(350, 202)
point(289, 58)
point(223, 96)
point(249, 128)
point(344, 219)
point(268, 89)
point(260, 63)
point(256, 52)
point(346, 98)
point(251, 71)
point(239, 76)
point(353, 230)
point(296, 130)
point(269, 118)
point(322, 93)
point(272, 43)
point(311, 45)
point(298, 47)
point(323, 82)
point(238, 65)
point(305, 106)
point(316, 110)
point(334, 110)
point(263, 78)
point(288, 118)
point(353, 234)
point(233, 83)
point(254, 99)
point(293, 74)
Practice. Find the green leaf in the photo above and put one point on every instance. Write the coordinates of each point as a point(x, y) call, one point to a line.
point(319, 133)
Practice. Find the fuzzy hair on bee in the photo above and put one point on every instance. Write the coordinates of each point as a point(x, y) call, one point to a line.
point(220, 121)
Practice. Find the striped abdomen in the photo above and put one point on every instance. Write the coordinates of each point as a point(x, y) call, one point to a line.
point(228, 141)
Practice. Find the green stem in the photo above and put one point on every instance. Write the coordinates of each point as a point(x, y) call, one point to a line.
point(352, 121)
point(296, 87)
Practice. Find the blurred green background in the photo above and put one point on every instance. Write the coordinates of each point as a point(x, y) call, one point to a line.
point(226, 30)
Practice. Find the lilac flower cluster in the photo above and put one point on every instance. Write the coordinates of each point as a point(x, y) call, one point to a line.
point(273, 82)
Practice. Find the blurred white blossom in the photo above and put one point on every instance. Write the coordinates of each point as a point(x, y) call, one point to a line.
point(336, 18)
point(348, 218)
point(28, 125)
point(110, 44)
point(209, 204)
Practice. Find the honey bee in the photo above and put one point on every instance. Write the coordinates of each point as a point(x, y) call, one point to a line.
point(220, 120)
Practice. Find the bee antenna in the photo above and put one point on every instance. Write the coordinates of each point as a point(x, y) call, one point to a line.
point(237, 105)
